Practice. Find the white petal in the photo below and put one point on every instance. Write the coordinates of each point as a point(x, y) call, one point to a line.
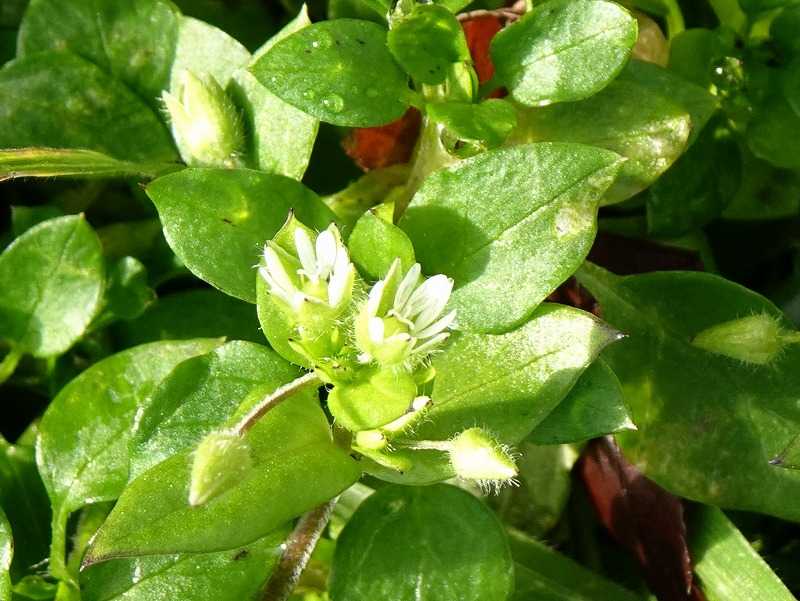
point(276, 269)
point(305, 251)
point(432, 294)
point(406, 287)
point(341, 280)
point(441, 325)
point(374, 298)
point(326, 253)
point(436, 340)
point(376, 330)
point(284, 295)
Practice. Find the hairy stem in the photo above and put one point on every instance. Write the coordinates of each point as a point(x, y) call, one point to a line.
point(9, 364)
point(297, 551)
point(273, 400)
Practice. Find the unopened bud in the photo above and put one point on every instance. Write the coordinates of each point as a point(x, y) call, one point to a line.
point(221, 460)
point(477, 456)
point(205, 124)
point(757, 339)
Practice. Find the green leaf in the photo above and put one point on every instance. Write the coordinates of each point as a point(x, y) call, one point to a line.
point(128, 294)
point(546, 575)
point(695, 100)
point(59, 100)
point(728, 567)
point(368, 10)
point(231, 575)
point(757, 6)
point(697, 188)
point(24, 218)
point(281, 137)
point(725, 419)
point(637, 121)
point(375, 244)
point(296, 466)
point(338, 71)
point(783, 30)
point(133, 40)
point(563, 50)
point(489, 122)
point(506, 384)
point(427, 42)
point(765, 192)
point(545, 475)
point(51, 286)
point(509, 226)
point(217, 220)
point(27, 508)
point(774, 133)
point(204, 313)
point(422, 544)
point(6, 553)
point(694, 52)
point(56, 162)
point(82, 450)
point(594, 407)
point(200, 394)
point(204, 49)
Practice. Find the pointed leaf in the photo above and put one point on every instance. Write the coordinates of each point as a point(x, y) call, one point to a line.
point(296, 466)
point(509, 226)
point(726, 419)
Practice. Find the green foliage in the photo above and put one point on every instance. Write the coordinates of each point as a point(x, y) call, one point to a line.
point(227, 378)
point(411, 543)
point(538, 58)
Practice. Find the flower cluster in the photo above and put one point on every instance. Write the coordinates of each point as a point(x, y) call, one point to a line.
point(370, 347)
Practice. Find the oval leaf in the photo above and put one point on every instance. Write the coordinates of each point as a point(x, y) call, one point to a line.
point(82, 450)
point(217, 220)
point(338, 71)
point(563, 50)
point(422, 544)
point(725, 419)
point(509, 226)
point(296, 466)
point(51, 286)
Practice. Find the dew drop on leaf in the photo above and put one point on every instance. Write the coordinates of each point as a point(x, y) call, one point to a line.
point(333, 103)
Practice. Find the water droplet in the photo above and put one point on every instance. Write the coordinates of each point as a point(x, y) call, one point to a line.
point(309, 94)
point(322, 41)
point(333, 103)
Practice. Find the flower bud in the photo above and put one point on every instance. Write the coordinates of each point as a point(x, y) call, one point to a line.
point(402, 318)
point(475, 455)
point(221, 460)
point(205, 125)
point(757, 339)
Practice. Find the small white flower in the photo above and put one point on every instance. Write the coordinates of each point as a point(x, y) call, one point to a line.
point(403, 317)
point(321, 274)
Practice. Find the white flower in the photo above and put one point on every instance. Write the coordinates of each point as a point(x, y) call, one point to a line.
point(403, 319)
point(321, 274)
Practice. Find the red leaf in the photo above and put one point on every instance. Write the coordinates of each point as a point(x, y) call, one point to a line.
point(643, 517)
point(392, 144)
point(479, 32)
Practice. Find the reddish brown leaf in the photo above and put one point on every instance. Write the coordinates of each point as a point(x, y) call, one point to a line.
point(643, 517)
point(391, 144)
point(479, 32)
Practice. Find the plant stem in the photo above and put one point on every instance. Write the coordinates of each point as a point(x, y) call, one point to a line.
point(273, 400)
point(9, 364)
point(430, 445)
point(297, 551)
